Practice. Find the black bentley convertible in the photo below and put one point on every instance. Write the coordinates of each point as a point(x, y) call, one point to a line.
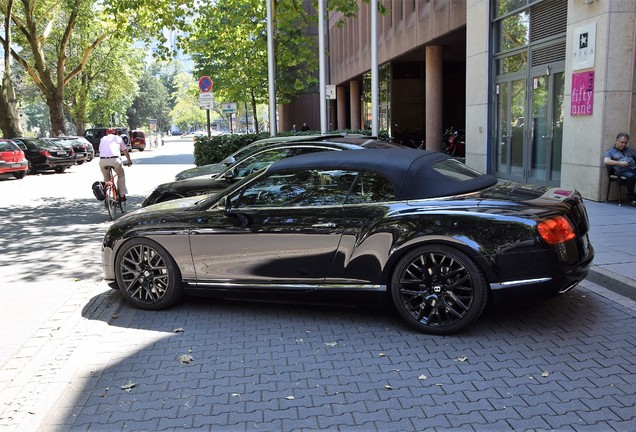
point(437, 237)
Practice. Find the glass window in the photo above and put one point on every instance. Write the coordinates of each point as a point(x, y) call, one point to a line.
point(513, 63)
point(514, 31)
point(456, 170)
point(371, 188)
point(298, 188)
point(506, 6)
point(7, 146)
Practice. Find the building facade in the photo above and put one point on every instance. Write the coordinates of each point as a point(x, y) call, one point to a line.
point(541, 87)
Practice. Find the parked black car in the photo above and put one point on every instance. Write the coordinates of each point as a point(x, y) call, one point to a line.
point(94, 135)
point(265, 152)
point(46, 155)
point(81, 146)
point(420, 229)
point(79, 149)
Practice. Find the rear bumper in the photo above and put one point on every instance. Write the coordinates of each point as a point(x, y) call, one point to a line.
point(9, 167)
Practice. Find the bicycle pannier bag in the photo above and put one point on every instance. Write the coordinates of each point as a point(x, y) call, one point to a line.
point(98, 190)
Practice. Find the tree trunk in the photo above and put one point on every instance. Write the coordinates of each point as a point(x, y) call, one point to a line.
point(56, 113)
point(9, 117)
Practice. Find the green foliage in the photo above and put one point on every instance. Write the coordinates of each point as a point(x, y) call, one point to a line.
point(216, 148)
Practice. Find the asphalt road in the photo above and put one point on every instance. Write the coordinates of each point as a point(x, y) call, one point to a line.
point(51, 235)
point(76, 357)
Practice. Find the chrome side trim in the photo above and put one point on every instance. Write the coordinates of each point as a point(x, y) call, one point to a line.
point(508, 284)
point(283, 287)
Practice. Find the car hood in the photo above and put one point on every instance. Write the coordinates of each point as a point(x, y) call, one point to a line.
point(201, 170)
point(176, 204)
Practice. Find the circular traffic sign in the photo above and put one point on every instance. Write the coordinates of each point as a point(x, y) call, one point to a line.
point(205, 84)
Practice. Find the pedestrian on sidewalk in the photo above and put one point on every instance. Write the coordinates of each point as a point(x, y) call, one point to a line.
point(623, 160)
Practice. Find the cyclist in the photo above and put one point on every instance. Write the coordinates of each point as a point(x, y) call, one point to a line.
point(111, 146)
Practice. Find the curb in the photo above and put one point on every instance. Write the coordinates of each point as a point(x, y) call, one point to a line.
point(613, 282)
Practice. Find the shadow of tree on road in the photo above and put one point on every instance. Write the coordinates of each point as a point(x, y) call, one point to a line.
point(55, 237)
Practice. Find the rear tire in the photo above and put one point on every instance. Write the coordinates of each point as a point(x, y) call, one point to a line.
point(59, 170)
point(109, 202)
point(19, 174)
point(147, 275)
point(438, 290)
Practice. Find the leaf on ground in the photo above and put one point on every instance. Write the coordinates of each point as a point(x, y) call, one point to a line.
point(178, 330)
point(381, 355)
point(185, 358)
point(462, 358)
point(238, 395)
point(422, 377)
point(129, 386)
point(388, 387)
point(114, 316)
point(290, 397)
point(545, 374)
point(331, 344)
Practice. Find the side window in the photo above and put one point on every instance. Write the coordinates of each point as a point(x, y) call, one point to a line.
point(307, 188)
point(258, 161)
point(370, 188)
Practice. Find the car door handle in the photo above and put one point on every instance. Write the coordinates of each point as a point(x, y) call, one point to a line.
point(324, 225)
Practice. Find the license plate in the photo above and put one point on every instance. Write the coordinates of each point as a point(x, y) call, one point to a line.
point(16, 166)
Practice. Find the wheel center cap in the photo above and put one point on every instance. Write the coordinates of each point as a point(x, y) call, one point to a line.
point(437, 289)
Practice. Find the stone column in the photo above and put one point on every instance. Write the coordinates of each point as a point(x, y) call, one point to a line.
point(354, 104)
point(434, 81)
point(341, 94)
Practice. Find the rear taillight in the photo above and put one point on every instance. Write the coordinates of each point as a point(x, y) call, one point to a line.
point(45, 153)
point(556, 230)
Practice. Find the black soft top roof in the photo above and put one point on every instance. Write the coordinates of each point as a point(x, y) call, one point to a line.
point(410, 171)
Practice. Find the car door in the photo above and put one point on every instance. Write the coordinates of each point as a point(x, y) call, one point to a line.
point(368, 234)
point(281, 231)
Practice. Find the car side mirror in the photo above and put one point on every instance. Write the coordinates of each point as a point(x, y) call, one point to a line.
point(230, 175)
point(228, 161)
point(224, 205)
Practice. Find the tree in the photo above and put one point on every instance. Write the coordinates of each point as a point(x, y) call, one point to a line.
point(9, 118)
point(186, 112)
point(228, 41)
point(151, 103)
point(45, 29)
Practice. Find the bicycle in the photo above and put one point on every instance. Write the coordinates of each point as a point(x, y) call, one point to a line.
point(111, 194)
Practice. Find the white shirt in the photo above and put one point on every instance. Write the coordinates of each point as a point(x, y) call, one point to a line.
point(111, 145)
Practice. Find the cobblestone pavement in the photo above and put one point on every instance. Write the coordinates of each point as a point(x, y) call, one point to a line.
point(565, 364)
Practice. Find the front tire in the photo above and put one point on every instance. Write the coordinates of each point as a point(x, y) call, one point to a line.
point(147, 275)
point(19, 174)
point(438, 290)
point(59, 169)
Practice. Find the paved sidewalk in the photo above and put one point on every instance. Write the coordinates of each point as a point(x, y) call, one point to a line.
point(567, 364)
point(613, 235)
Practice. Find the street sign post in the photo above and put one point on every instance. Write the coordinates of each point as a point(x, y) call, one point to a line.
point(206, 101)
point(205, 84)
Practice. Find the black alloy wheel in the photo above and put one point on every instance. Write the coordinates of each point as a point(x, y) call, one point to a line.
point(147, 275)
point(59, 169)
point(438, 290)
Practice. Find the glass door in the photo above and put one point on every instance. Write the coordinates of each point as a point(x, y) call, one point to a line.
point(546, 133)
point(511, 129)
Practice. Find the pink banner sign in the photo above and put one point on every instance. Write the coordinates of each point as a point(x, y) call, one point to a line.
point(582, 93)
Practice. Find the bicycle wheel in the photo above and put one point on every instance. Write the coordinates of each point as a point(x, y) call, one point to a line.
point(109, 202)
point(122, 206)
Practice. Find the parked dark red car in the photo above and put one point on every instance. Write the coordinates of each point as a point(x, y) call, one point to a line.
point(138, 140)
